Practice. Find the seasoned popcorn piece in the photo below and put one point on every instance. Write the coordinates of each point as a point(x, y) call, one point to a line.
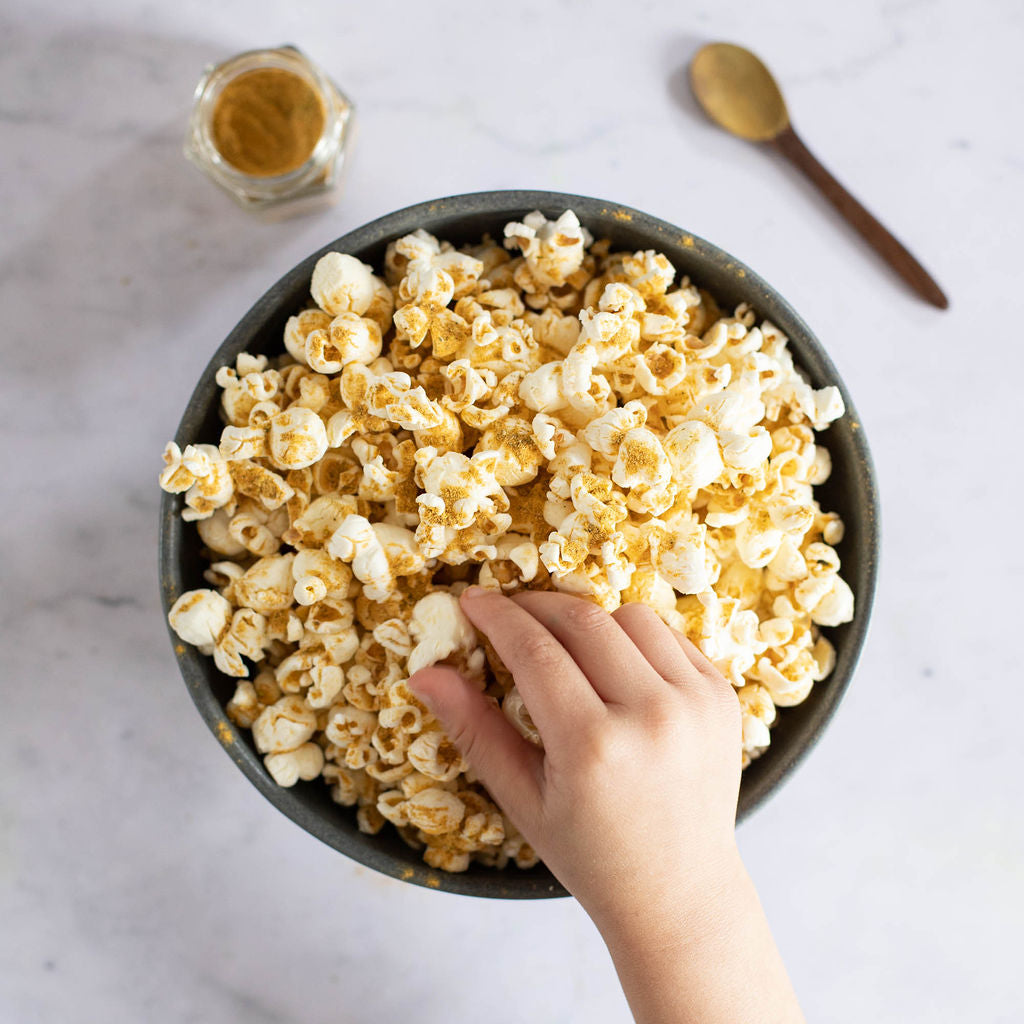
point(296, 438)
point(426, 291)
point(606, 433)
point(306, 763)
point(266, 585)
point(314, 527)
point(326, 682)
point(516, 563)
point(378, 552)
point(660, 369)
point(436, 756)
point(434, 811)
point(553, 330)
point(515, 711)
point(247, 386)
point(553, 250)
point(199, 617)
point(299, 327)
point(203, 474)
point(679, 553)
point(458, 493)
point(244, 706)
point(590, 529)
point(215, 533)
point(441, 630)
point(693, 451)
point(256, 529)
point(519, 457)
point(254, 481)
point(348, 338)
point(642, 467)
point(342, 284)
point(245, 636)
point(285, 725)
point(318, 575)
point(758, 713)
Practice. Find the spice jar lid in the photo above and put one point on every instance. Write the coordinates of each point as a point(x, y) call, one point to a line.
point(271, 129)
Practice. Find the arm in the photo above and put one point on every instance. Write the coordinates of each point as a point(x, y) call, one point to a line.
point(632, 801)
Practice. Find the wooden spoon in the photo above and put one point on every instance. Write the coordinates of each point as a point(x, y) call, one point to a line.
point(738, 93)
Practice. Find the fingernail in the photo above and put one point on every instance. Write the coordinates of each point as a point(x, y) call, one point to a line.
point(473, 592)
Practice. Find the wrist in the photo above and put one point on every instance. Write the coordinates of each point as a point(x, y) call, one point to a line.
point(679, 911)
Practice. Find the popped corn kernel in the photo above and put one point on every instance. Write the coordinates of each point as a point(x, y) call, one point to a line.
point(199, 617)
point(284, 725)
point(434, 811)
point(440, 629)
point(342, 284)
point(296, 438)
point(286, 768)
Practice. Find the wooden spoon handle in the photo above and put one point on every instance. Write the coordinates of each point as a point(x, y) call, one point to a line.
point(880, 238)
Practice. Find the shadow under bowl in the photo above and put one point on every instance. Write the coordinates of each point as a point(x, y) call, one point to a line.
point(850, 491)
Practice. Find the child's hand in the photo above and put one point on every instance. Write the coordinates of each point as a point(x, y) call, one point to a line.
point(632, 801)
point(641, 762)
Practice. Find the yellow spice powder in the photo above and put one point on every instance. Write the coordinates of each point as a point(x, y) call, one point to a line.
point(267, 122)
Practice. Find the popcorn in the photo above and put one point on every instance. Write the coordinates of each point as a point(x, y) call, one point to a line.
point(578, 421)
point(458, 493)
point(286, 768)
point(642, 466)
point(318, 575)
point(199, 617)
point(256, 481)
point(434, 811)
point(436, 756)
point(215, 533)
point(202, 473)
point(266, 585)
point(356, 540)
point(679, 554)
point(441, 630)
point(553, 249)
point(757, 714)
point(519, 455)
point(283, 726)
point(515, 710)
point(298, 329)
point(348, 338)
point(342, 284)
point(693, 451)
point(246, 387)
point(245, 636)
point(296, 438)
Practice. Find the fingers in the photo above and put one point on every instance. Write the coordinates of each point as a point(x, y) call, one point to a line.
point(554, 689)
point(600, 647)
point(662, 647)
point(697, 656)
point(507, 764)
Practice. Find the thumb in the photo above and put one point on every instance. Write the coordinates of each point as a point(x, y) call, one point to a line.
point(506, 763)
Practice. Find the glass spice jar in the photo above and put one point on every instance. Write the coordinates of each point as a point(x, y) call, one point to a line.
point(272, 130)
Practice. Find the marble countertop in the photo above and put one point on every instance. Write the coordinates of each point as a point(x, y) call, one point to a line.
point(141, 876)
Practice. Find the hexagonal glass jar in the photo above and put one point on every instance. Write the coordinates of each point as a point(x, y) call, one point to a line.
point(310, 186)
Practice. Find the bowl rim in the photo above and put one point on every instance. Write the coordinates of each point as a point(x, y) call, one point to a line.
point(511, 204)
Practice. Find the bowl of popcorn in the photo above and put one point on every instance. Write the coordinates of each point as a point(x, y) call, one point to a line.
point(513, 390)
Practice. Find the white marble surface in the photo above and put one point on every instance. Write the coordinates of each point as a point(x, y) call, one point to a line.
point(141, 876)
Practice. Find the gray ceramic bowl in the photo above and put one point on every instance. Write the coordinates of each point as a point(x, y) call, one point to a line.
point(851, 492)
